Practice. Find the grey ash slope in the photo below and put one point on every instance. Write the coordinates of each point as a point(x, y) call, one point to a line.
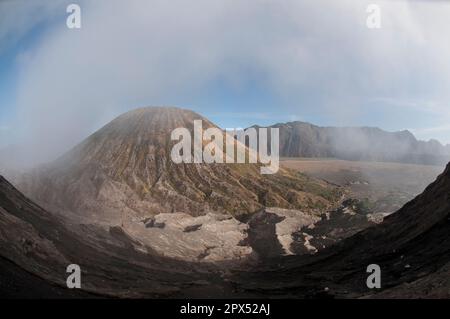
point(300, 139)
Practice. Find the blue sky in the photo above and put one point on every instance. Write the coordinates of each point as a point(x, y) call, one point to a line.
point(8, 80)
point(9, 72)
point(237, 62)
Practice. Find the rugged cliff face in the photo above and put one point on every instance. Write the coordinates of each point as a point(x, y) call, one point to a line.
point(36, 247)
point(300, 139)
point(411, 246)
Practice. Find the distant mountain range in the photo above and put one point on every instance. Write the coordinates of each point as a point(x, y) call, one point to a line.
point(300, 139)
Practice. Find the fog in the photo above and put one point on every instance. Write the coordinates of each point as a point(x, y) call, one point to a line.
point(316, 57)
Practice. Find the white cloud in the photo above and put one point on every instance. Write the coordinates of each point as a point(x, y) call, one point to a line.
point(423, 106)
point(134, 53)
point(441, 132)
point(17, 17)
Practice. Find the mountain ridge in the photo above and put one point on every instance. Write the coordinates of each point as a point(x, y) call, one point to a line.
point(303, 139)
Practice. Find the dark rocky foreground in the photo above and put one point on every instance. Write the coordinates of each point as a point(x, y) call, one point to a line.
point(36, 248)
point(411, 246)
point(15, 282)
